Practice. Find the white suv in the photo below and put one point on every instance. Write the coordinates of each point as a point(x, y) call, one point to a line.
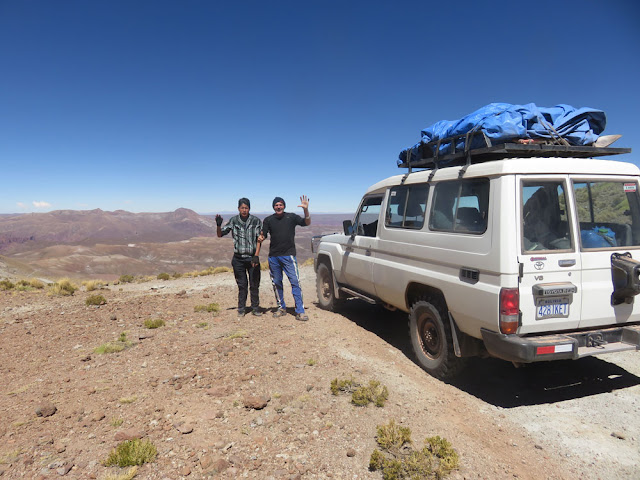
point(513, 253)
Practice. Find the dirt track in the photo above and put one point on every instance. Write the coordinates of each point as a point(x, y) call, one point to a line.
point(184, 386)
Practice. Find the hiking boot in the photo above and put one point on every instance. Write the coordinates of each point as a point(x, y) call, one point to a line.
point(279, 313)
point(256, 312)
point(302, 317)
point(241, 313)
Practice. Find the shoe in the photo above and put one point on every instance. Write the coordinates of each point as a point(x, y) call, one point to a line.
point(241, 313)
point(279, 313)
point(302, 317)
point(256, 312)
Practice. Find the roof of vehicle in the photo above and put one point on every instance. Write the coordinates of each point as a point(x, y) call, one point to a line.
point(512, 166)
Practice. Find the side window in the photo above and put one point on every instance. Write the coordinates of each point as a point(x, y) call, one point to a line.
point(366, 222)
point(544, 217)
point(406, 206)
point(609, 214)
point(460, 206)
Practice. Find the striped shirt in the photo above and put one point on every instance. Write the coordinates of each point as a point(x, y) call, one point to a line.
point(245, 234)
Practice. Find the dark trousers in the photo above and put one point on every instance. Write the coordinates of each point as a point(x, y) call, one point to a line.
point(242, 267)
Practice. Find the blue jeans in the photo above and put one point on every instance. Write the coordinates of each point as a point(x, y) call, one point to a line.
point(288, 265)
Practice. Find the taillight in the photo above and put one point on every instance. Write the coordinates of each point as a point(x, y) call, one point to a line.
point(509, 310)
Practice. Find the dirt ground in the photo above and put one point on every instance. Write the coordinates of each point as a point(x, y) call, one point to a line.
point(189, 387)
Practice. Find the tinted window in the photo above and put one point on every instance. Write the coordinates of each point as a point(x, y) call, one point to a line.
point(460, 206)
point(406, 206)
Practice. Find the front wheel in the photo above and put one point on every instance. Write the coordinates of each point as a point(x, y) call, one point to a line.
point(431, 340)
point(324, 287)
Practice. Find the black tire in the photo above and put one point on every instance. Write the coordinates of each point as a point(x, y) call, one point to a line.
point(324, 288)
point(431, 339)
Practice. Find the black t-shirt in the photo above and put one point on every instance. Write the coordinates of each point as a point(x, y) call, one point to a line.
point(283, 231)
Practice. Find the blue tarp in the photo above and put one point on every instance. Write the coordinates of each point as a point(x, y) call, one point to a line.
point(503, 122)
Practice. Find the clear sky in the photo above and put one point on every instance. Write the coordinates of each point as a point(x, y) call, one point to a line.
point(152, 105)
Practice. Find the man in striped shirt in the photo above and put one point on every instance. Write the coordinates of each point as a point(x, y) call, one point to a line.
point(245, 229)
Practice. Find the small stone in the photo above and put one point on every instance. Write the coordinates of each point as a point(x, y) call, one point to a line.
point(619, 436)
point(183, 428)
point(351, 452)
point(256, 402)
point(63, 470)
point(46, 409)
point(185, 471)
point(113, 317)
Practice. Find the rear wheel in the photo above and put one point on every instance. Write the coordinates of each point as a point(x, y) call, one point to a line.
point(324, 287)
point(431, 339)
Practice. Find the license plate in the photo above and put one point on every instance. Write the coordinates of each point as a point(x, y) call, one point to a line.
point(552, 307)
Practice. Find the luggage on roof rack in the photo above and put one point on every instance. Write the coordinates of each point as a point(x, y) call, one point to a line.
point(501, 130)
point(426, 158)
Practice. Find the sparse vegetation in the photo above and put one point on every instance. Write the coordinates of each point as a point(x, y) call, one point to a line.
point(114, 347)
point(264, 266)
point(126, 279)
point(163, 276)
point(7, 285)
point(176, 275)
point(361, 396)
point(132, 452)
point(237, 334)
point(208, 271)
point(62, 287)
point(95, 300)
point(211, 308)
point(307, 262)
point(153, 323)
point(375, 393)
point(311, 362)
point(144, 278)
point(202, 325)
point(127, 400)
point(116, 422)
point(91, 285)
point(397, 460)
point(128, 475)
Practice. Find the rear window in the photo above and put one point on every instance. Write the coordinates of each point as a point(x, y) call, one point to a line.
point(609, 214)
point(406, 206)
point(544, 216)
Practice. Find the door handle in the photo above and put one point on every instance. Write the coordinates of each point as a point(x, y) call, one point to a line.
point(566, 263)
point(367, 252)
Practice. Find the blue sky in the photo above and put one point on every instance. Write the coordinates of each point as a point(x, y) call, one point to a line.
point(152, 105)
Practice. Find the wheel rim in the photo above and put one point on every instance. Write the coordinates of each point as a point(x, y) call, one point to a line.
point(429, 336)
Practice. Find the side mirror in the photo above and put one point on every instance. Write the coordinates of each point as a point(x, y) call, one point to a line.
point(347, 226)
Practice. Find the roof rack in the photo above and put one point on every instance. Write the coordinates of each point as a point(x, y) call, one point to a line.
point(429, 156)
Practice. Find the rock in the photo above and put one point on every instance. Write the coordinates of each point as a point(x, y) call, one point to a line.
point(185, 471)
point(256, 402)
point(211, 464)
point(46, 409)
point(183, 427)
point(219, 391)
point(351, 452)
point(129, 434)
point(113, 317)
point(619, 436)
point(63, 470)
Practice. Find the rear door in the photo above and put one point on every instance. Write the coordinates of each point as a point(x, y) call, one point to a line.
point(608, 218)
point(550, 289)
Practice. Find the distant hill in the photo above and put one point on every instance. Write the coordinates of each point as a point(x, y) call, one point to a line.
point(88, 227)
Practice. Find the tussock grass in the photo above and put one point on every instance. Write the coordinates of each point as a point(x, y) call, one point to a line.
point(131, 453)
point(91, 285)
point(114, 347)
point(237, 334)
point(208, 271)
point(126, 279)
point(211, 308)
point(398, 460)
point(307, 262)
point(116, 422)
point(128, 400)
point(153, 323)
point(128, 475)
point(163, 276)
point(62, 287)
point(95, 300)
point(7, 284)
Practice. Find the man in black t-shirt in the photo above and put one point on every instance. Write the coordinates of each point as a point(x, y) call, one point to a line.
point(282, 252)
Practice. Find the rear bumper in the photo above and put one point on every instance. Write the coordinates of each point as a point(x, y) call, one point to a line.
point(565, 346)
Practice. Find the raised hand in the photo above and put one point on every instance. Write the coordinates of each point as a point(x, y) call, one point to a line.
point(304, 202)
point(218, 220)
